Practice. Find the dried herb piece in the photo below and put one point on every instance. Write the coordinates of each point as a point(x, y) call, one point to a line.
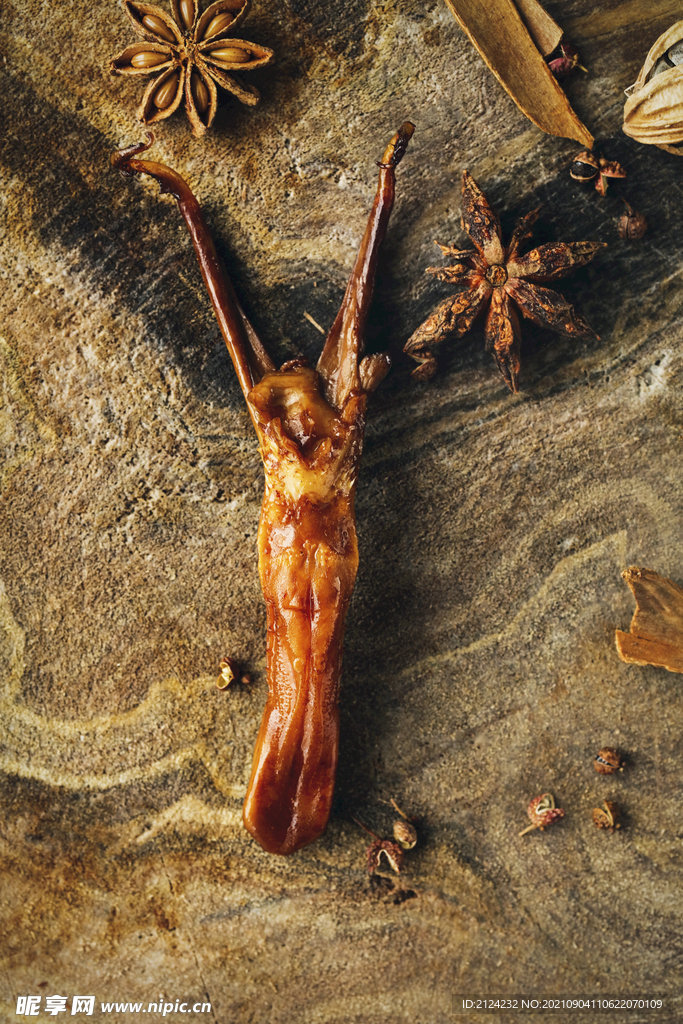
point(607, 816)
point(656, 636)
point(631, 225)
point(542, 812)
point(501, 279)
point(310, 425)
point(653, 113)
point(499, 34)
point(608, 761)
point(190, 53)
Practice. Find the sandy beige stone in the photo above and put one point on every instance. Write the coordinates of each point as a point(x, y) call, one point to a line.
point(480, 666)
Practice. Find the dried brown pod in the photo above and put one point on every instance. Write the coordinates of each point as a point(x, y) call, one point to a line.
point(542, 812)
point(230, 672)
point(405, 834)
point(584, 166)
point(228, 669)
point(656, 634)
point(545, 32)
point(607, 816)
point(391, 849)
point(653, 113)
point(631, 225)
point(608, 761)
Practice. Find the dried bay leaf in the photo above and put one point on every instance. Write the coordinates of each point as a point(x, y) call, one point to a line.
point(656, 636)
point(497, 31)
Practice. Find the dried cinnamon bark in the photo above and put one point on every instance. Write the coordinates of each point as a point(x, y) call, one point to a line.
point(310, 425)
point(499, 34)
point(656, 636)
point(545, 32)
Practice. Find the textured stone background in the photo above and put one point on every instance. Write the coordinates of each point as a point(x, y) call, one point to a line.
point(480, 666)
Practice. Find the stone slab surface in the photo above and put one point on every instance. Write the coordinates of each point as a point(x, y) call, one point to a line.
point(480, 666)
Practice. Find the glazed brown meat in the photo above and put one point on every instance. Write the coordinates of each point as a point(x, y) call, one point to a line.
point(310, 425)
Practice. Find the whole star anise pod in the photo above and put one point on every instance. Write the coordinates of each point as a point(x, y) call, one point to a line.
point(500, 278)
point(190, 54)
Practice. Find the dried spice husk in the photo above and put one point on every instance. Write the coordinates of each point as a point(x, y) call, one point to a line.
point(542, 812)
point(497, 31)
point(653, 113)
point(607, 817)
point(656, 635)
point(631, 225)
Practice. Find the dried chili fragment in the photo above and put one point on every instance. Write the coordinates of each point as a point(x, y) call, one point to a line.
point(310, 425)
point(506, 282)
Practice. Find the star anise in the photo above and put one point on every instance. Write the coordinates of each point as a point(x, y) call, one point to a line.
point(190, 54)
point(500, 278)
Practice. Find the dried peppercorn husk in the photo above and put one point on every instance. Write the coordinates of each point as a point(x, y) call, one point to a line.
point(542, 812)
point(653, 113)
point(631, 225)
point(607, 816)
point(656, 636)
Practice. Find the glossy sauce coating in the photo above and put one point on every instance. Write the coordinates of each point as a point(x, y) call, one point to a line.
point(310, 425)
